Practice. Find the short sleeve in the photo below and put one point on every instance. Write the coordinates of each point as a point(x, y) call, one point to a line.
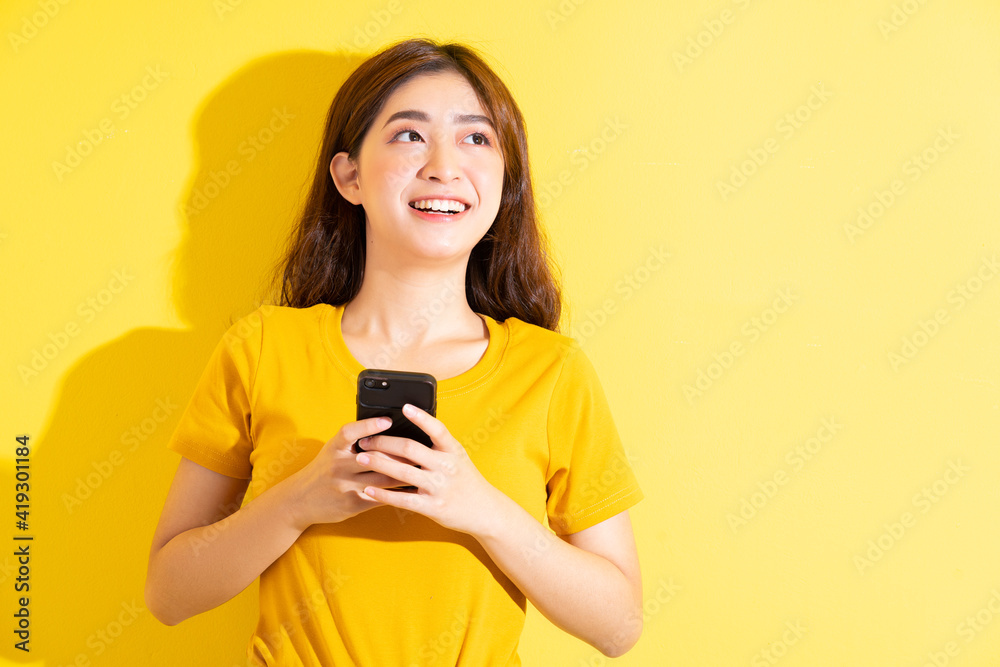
point(215, 428)
point(590, 477)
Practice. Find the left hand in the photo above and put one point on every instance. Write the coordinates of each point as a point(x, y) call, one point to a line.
point(449, 488)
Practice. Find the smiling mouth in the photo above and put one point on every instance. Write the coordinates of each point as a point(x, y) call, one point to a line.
point(439, 206)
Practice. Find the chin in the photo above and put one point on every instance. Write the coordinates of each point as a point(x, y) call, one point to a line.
point(425, 249)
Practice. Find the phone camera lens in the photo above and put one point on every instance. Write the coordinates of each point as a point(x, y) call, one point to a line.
point(369, 383)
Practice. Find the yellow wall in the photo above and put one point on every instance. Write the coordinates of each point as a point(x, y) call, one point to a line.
point(811, 401)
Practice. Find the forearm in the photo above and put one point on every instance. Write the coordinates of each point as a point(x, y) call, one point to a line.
point(204, 567)
point(584, 593)
point(581, 592)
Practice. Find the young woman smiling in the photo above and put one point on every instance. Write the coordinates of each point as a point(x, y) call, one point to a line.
point(418, 250)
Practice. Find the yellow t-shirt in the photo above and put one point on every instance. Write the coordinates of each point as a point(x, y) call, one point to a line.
point(389, 587)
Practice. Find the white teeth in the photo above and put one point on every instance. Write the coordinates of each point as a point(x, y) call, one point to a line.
point(440, 205)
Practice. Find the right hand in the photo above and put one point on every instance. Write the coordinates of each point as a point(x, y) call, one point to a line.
point(330, 488)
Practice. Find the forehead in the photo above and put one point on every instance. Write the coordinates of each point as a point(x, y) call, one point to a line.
point(442, 91)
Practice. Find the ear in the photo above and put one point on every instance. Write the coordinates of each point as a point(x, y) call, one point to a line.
point(345, 176)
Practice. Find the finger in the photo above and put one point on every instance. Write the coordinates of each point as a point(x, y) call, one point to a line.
point(401, 459)
point(354, 431)
point(430, 425)
point(405, 450)
point(372, 442)
point(403, 472)
point(406, 500)
point(364, 444)
point(350, 457)
point(368, 444)
point(371, 478)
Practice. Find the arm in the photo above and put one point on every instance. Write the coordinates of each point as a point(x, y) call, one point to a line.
point(207, 548)
point(588, 583)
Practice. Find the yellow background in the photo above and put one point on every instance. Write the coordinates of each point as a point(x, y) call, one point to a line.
point(636, 115)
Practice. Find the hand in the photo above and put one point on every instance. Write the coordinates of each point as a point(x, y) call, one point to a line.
point(330, 488)
point(449, 488)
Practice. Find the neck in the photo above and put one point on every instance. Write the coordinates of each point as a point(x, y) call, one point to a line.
point(420, 305)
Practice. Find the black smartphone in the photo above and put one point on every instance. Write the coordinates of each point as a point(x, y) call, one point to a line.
point(383, 393)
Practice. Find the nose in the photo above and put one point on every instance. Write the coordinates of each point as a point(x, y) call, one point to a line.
point(442, 164)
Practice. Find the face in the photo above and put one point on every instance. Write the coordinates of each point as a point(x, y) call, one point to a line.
point(431, 147)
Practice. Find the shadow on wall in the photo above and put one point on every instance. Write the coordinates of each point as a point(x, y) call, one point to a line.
point(101, 469)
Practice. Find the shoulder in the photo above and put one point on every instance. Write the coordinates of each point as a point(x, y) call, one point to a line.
point(268, 326)
point(532, 336)
point(271, 317)
point(530, 341)
point(287, 315)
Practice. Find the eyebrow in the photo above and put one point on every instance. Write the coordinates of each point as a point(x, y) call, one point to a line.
point(460, 119)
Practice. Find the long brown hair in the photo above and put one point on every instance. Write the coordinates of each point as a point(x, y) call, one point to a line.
point(508, 275)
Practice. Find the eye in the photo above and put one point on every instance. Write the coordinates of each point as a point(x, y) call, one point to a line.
point(479, 139)
point(412, 136)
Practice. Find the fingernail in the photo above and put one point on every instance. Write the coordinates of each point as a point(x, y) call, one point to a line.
point(363, 459)
point(408, 409)
point(384, 422)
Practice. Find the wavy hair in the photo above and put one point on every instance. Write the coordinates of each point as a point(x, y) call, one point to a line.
point(508, 275)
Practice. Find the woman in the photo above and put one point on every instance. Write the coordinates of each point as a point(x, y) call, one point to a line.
point(419, 251)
